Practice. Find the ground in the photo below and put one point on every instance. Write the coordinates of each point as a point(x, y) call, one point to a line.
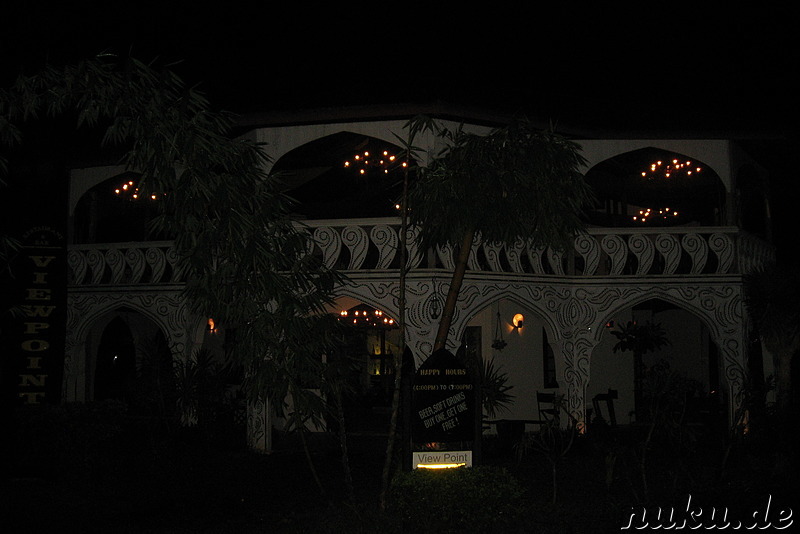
point(190, 482)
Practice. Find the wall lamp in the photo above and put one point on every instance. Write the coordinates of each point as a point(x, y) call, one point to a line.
point(518, 321)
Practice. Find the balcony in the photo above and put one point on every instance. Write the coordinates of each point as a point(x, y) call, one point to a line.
point(361, 246)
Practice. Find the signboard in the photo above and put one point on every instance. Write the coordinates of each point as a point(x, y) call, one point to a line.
point(441, 459)
point(34, 337)
point(443, 401)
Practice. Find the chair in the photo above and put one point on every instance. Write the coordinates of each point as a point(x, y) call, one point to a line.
point(608, 398)
point(547, 406)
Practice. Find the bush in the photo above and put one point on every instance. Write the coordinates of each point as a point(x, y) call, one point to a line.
point(466, 499)
point(49, 440)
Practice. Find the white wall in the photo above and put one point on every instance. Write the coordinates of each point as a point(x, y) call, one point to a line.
point(521, 359)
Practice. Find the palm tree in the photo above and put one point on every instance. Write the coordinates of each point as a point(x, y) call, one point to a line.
point(772, 298)
point(515, 183)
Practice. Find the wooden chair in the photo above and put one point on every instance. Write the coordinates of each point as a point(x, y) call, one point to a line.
point(547, 406)
point(608, 398)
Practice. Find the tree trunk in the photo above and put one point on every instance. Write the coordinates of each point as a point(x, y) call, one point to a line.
point(454, 289)
point(638, 387)
point(398, 358)
point(348, 475)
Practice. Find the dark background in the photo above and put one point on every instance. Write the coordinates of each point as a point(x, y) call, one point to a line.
point(678, 71)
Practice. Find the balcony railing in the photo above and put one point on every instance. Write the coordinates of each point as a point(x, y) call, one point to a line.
point(369, 245)
point(122, 264)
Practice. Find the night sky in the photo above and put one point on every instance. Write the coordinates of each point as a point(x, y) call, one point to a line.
point(682, 72)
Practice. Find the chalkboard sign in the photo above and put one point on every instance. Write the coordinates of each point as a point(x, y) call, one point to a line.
point(443, 401)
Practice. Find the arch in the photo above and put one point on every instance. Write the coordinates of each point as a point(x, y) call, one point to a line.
point(128, 358)
point(114, 361)
point(691, 351)
point(689, 299)
point(718, 308)
point(369, 342)
point(651, 186)
point(114, 210)
point(282, 139)
point(716, 153)
point(165, 309)
point(168, 313)
point(512, 294)
point(352, 295)
point(522, 354)
point(342, 175)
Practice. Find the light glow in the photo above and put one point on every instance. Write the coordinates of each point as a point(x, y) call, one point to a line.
point(130, 190)
point(441, 466)
point(659, 170)
point(649, 214)
point(364, 163)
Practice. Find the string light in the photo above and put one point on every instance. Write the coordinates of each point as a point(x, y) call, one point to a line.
point(364, 162)
point(366, 316)
point(659, 169)
point(664, 170)
point(129, 189)
point(649, 214)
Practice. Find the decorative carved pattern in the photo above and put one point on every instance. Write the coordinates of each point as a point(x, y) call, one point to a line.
point(415, 254)
point(573, 307)
point(697, 249)
point(385, 238)
point(535, 257)
point(355, 237)
point(667, 245)
point(329, 241)
point(472, 262)
point(492, 253)
point(722, 246)
point(643, 249)
point(615, 247)
point(554, 260)
point(514, 255)
point(166, 308)
point(587, 247)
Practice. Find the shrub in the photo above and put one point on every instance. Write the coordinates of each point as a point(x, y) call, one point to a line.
point(75, 437)
point(474, 499)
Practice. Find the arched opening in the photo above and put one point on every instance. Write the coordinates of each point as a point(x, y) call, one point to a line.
point(116, 362)
point(342, 176)
point(653, 187)
point(116, 211)
point(133, 363)
point(516, 342)
point(686, 365)
point(369, 342)
point(512, 343)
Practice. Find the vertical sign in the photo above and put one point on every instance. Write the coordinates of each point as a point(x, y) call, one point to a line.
point(443, 411)
point(35, 341)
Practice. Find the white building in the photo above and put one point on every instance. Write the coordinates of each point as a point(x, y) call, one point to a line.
point(681, 266)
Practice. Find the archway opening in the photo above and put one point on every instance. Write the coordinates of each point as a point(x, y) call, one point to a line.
point(368, 343)
point(676, 359)
point(514, 340)
point(133, 364)
point(343, 176)
point(654, 187)
point(116, 362)
point(116, 211)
